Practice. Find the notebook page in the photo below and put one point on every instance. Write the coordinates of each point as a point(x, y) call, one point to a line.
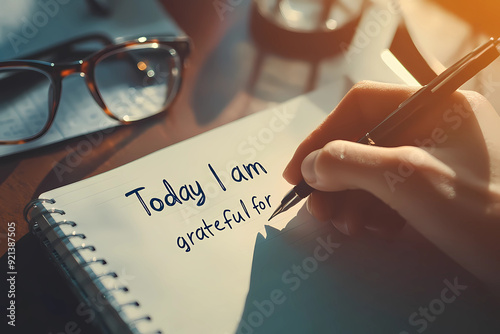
point(184, 236)
point(201, 259)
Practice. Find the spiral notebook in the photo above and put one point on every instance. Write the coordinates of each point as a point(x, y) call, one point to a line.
point(147, 221)
point(179, 242)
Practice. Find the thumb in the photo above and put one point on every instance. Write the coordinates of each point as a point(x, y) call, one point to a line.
point(396, 175)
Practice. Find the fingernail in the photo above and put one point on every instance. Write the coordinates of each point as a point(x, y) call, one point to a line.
point(307, 168)
point(309, 206)
point(372, 228)
point(341, 225)
point(285, 170)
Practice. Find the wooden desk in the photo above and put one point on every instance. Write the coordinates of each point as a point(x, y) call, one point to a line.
point(219, 86)
point(211, 95)
point(205, 102)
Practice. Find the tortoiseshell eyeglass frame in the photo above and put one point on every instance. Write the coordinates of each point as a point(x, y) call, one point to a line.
point(56, 72)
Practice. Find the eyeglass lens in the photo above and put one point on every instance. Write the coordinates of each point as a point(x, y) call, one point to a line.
point(139, 82)
point(24, 103)
point(134, 82)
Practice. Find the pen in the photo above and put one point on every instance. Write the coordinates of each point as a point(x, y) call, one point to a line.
point(442, 86)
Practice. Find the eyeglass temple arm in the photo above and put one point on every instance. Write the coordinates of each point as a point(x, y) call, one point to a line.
point(67, 46)
point(64, 47)
point(97, 8)
point(183, 47)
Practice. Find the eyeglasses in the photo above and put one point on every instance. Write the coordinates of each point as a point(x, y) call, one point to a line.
point(130, 81)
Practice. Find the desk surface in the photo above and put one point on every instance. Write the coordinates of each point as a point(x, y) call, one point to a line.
point(198, 108)
point(221, 84)
point(227, 78)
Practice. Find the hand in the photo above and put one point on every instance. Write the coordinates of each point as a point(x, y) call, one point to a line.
point(441, 173)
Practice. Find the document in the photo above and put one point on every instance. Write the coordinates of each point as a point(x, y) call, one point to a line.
point(186, 230)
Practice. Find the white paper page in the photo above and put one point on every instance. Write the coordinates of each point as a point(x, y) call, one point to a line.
point(290, 275)
point(202, 290)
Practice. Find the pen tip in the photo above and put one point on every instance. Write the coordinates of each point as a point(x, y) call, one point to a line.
point(276, 212)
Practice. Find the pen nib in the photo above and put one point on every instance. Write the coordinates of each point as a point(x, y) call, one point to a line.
point(276, 212)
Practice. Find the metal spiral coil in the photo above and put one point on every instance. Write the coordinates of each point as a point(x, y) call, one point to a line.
point(73, 251)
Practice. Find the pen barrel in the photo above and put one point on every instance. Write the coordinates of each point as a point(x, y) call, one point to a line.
point(438, 89)
point(415, 103)
point(303, 189)
point(465, 72)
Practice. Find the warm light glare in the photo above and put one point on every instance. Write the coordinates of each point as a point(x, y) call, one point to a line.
point(142, 65)
point(398, 68)
point(142, 39)
point(289, 12)
point(155, 45)
point(331, 24)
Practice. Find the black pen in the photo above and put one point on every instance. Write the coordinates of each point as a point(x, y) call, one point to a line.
point(442, 86)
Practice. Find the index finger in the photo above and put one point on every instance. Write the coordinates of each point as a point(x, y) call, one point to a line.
point(364, 106)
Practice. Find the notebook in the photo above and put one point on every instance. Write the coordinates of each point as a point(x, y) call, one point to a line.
point(179, 242)
point(29, 26)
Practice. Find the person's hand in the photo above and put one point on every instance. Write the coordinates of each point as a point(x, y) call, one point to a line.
point(441, 173)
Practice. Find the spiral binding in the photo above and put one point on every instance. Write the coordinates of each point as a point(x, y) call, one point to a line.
point(41, 233)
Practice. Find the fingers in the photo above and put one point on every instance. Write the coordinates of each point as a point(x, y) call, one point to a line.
point(398, 176)
point(360, 110)
point(342, 165)
point(350, 177)
point(355, 212)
